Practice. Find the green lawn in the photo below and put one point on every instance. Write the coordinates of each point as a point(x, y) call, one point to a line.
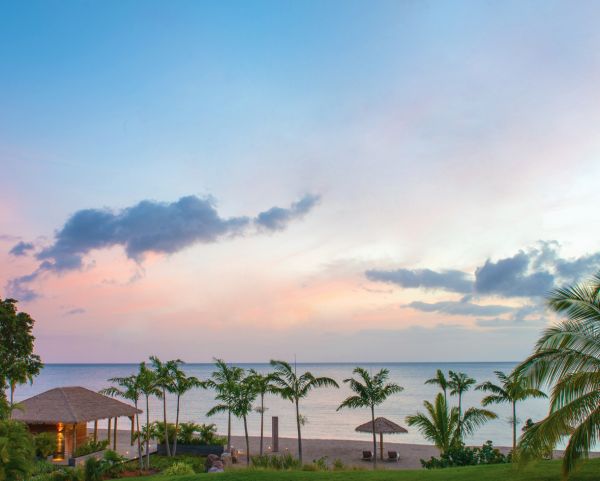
point(544, 471)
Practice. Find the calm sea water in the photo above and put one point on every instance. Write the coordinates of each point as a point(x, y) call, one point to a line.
point(320, 407)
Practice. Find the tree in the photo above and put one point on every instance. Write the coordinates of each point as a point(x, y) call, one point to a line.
point(127, 388)
point(440, 424)
point(512, 389)
point(459, 384)
point(18, 363)
point(567, 357)
point(16, 451)
point(239, 404)
point(181, 385)
point(224, 380)
point(441, 381)
point(263, 384)
point(147, 384)
point(370, 391)
point(164, 380)
point(292, 387)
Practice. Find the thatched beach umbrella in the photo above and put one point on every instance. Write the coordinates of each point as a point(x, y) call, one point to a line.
point(382, 425)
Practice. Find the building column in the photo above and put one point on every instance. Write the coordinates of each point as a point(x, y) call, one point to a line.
point(115, 436)
point(96, 431)
point(132, 428)
point(109, 424)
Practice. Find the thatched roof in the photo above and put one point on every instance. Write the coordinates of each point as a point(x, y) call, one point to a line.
point(70, 405)
point(382, 425)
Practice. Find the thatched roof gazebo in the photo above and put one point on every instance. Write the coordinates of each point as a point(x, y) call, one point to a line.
point(382, 426)
point(65, 409)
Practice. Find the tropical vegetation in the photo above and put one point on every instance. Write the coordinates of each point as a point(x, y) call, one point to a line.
point(512, 389)
point(567, 357)
point(293, 387)
point(370, 391)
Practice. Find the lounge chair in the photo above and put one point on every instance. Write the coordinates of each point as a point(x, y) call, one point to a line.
point(393, 456)
point(367, 456)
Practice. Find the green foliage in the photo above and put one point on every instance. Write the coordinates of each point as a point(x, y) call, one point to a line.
point(461, 455)
point(199, 434)
point(179, 468)
point(90, 447)
point(277, 462)
point(45, 444)
point(17, 451)
point(93, 469)
point(443, 426)
point(338, 465)
point(161, 463)
point(18, 363)
point(567, 357)
point(113, 463)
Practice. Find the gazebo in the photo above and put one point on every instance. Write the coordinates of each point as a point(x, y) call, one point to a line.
point(66, 412)
point(382, 425)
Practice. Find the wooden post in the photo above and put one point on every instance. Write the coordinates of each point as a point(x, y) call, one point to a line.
point(96, 431)
point(132, 418)
point(109, 423)
point(115, 436)
point(275, 433)
point(74, 440)
point(380, 445)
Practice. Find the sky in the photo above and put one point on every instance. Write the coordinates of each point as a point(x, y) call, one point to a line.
point(331, 180)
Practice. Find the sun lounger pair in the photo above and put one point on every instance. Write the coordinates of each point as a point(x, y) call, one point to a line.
point(393, 456)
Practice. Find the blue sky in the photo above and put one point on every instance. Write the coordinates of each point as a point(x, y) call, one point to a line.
point(436, 136)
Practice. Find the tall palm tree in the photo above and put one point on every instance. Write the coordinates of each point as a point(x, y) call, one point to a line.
point(441, 381)
point(181, 385)
point(440, 424)
point(224, 380)
point(147, 384)
point(164, 380)
point(459, 384)
point(567, 357)
point(370, 391)
point(512, 389)
point(128, 388)
point(240, 405)
point(263, 384)
point(293, 387)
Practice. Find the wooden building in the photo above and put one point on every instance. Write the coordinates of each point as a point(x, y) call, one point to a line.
point(66, 411)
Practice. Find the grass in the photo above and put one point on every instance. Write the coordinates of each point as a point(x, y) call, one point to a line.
point(543, 471)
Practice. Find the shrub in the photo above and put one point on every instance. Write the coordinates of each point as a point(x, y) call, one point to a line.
point(45, 444)
point(461, 455)
point(90, 447)
point(179, 469)
point(17, 451)
point(278, 462)
point(67, 474)
point(338, 465)
point(93, 470)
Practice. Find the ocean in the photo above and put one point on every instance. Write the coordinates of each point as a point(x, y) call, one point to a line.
point(323, 421)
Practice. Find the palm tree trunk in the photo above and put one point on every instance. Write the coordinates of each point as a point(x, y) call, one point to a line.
point(229, 430)
point(139, 441)
point(176, 426)
point(299, 432)
point(374, 437)
point(247, 441)
point(514, 406)
point(147, 432)
point(262, 424)
point(165, 422)
point(459, 415)
point(12, 398)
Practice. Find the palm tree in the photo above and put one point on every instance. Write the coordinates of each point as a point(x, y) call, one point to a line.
point(263, 385)
point(441, 381)
point(292, 387)
point(164, 380)
point(567, 356)
point(224, 380)
point(512, 389)
point(370, 391)
point(181, 385)
point(441, 424)
point(459, 384)
point(147, 384)
point(242, 398)
point(127, 388)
